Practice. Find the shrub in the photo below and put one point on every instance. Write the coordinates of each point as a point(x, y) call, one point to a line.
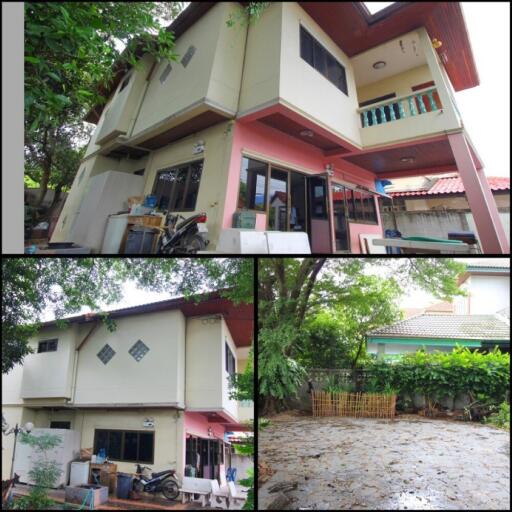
point(439, 374)
point(500, 419)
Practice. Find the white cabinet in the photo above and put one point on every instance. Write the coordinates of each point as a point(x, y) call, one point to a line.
point(67, 451)
point(79, 473)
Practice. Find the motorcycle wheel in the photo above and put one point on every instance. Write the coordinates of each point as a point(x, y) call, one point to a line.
point(195, 243)
point(138, 486)
point(170, 489)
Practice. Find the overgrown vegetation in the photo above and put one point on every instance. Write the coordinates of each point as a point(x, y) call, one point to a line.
point(501, 418)
point(342, 297)
point(44, 472)
point(484, 377)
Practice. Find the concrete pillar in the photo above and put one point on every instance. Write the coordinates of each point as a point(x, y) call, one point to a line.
point(488, 224)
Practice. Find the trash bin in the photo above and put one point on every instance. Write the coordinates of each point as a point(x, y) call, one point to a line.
point(140, 240)
point(124, 485)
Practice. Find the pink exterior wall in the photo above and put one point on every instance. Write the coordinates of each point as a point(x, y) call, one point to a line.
point(259, 138)
point(197, 425)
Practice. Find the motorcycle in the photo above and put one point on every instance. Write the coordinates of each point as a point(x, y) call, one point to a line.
point(185, 237)
point(164, 482)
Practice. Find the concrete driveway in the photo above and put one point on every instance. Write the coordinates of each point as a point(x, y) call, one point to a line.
point(409, 463)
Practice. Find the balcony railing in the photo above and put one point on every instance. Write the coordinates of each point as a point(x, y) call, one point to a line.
point(421, 102)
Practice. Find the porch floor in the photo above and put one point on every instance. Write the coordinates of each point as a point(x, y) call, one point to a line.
point(148, 502)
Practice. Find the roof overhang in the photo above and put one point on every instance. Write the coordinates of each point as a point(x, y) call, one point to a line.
point(239, 318)
point(354, 29)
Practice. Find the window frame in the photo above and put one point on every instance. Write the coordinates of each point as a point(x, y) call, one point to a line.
point(267, 177)
point(46, 344)
point(123, 432)
point(350, 206)
point(319, 52)
point(229, 359)
point(61, 422)
point(188, 167)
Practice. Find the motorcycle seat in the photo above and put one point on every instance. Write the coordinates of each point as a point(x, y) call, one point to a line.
point(155, 475)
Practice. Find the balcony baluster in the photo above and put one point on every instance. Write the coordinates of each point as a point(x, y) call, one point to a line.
point(412, 106)
point(432, 101)
point(382, 114)
point(421, 103)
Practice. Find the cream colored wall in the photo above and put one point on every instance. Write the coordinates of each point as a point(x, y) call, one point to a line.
point(399, 84)
point(185, 87)
point(11, 386)
point(212, 187)
point(156, 379)
point(48, 375)
point(260, 83)
point(305, 89)
point(230, 405)
point(409, 128)
point(168, 431)
point(204, 363)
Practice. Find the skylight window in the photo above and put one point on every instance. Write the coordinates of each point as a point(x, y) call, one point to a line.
point(375, 7)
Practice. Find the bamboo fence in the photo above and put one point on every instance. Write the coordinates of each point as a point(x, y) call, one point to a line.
point(359, 405)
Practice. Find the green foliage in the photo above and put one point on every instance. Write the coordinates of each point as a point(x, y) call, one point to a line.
point(44, 472)
point(441, 374)
point(279, 376)
point(248, 14)
point(263, 423)
point(501, 418)
point(334, 384)
point(65, 285)
point(242, 384)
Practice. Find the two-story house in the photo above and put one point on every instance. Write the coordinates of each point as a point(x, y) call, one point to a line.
point(312, 103)
point(154, 391)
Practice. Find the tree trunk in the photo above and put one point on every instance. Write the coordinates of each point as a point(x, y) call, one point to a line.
point(56, 197)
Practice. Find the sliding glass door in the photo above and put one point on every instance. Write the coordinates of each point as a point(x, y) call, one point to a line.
point(278, 200)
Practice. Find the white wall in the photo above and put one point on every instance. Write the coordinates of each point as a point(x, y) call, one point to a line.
point(48, 375)
point(156, 379)
point(398, 348)
point(488, 294)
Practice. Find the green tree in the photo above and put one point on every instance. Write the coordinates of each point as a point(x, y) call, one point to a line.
point(44, 472)
point(31, 285)
point(289, 289)
point(70, 52)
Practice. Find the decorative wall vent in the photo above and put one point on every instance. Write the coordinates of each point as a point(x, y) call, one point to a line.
point(188, 56)
point(139, 350)
point(165, 73)
point(106, 354)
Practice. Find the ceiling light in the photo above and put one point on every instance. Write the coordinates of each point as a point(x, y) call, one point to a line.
point(407, 159)
point(379, 64)
point(306, 133)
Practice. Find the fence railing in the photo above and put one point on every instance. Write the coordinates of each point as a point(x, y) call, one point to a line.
point(358, 405)
point(421, 102)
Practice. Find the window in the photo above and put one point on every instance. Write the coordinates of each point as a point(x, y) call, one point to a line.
point(319, 58)
point(125, 445)
point(253, 185)
point(106, 354)
point(230, 361)
point(139, 350)
point(165, 73)
point(47, 346)
point(60, 424)
point(188, 56)
point(177, 188)
point(318, 198)
point(360, 205)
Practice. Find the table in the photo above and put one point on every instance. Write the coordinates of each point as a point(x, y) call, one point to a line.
point(417, 247)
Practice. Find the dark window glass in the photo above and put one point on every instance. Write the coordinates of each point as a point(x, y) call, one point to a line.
point(230, 361)
point(114, 444)
point(318, 57)
point(47, 346)
point(306, 46)
point(60, 424)
point(146, 447)
point(253, 185)
point(358, 202)
point(125, 445)
point(317, 192)
point(369, 208)
point(350, 203)
point(196, 170)
point(177, 188)
point(130, 446)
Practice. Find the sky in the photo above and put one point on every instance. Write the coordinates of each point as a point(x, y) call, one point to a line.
point(485, 109)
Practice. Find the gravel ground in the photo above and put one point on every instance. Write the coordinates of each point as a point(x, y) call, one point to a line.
point(409, 463)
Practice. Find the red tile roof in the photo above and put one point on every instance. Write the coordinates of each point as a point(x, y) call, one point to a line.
point(453, 186)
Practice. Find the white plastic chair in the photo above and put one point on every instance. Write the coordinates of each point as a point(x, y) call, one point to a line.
point(218, 498)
